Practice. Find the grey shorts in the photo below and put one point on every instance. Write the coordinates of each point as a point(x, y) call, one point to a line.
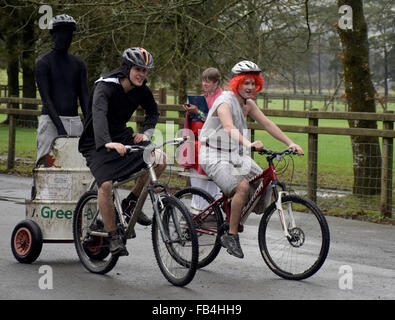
point(47, 132)
point(227, 169)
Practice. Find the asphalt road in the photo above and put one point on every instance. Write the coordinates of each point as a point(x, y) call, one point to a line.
point(366, 251)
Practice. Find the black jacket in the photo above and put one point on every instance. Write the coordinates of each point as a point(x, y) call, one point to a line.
point(110, 108)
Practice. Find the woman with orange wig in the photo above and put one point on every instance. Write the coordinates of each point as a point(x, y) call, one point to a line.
point(237, 81)
point(224, 139)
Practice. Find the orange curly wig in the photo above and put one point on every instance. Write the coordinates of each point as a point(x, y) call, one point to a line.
point(239, 79)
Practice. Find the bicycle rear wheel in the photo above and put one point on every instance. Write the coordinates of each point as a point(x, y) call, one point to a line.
point(93, 250)
point(208, 222)
point(177, 256)
point(302, 255)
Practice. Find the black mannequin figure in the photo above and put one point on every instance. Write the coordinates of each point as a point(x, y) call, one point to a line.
point(61, 80)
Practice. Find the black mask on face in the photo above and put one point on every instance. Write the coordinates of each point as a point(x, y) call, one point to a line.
point(62, 37)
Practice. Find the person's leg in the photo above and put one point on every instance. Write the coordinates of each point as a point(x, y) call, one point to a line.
point(231, 240)
point(239, 187)
point(239, 199)
point(248, 170)
point(230, 181)
point(197, 202)
point(106, 207)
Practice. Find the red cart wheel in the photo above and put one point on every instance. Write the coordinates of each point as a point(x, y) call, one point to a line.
point(26, 241)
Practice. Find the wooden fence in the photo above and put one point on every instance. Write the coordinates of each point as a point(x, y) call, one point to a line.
point(327, 101)
point(312, 130)
point(310, 101)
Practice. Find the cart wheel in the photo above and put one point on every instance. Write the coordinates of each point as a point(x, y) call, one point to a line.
point(26, 241)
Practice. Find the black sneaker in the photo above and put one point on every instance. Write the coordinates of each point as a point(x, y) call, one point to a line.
point(116, 244)
point(232, 243)
point(128, 206)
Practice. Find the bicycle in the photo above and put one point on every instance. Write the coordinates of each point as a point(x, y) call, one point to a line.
point(293, 232)
point(174, 238)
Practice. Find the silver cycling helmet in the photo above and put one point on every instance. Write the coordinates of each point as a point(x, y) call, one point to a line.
point(137, 57)
point(62, 19)
point(245, 66)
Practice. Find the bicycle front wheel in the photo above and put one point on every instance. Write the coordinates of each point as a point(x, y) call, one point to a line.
point(93, 250)
point(175, 241)
point(301, 254)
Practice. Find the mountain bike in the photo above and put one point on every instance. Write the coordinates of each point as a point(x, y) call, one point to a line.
point(293, 233)
point(174, 238)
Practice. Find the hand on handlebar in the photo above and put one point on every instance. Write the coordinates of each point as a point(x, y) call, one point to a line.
point(256, 145)
point(152, 147)
point(119, 147)
point(297, 148)
point(139, 137)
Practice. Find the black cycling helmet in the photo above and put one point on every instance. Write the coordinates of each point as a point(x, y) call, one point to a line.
point(245, 66)
point(137, 57)
point(61, 20)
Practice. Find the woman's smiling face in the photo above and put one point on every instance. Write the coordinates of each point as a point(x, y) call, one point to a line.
point(247, 89)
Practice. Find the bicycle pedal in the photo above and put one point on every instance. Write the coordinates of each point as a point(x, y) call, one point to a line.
point(120, 253)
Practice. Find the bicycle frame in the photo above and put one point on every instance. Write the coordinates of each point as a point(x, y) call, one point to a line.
point(267, 178)
point(129, 233)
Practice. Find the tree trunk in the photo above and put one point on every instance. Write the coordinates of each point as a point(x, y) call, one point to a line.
point(182, 87)
point(360, 98)
point(12, 71)
point(335, 75)
point(294, 81)
point(13, 79)
point(310, 82)
point(319, 64)
point(182, 49)
point(28, 77)
point(93, 69)
point(386, 74)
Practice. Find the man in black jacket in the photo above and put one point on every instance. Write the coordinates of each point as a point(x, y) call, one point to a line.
point(114, 99)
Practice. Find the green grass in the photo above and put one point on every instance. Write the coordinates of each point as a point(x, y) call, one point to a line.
point(25, 145)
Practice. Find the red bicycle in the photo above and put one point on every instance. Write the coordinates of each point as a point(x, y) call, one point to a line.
point(293, 233)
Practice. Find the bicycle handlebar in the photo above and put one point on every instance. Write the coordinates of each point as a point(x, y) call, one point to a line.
point(274, 153)
point(176, 141)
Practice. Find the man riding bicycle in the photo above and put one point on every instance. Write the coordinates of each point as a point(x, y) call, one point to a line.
point(114, 99)
point(224, 139)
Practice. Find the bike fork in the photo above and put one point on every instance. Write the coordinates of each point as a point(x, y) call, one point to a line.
point(280, 212)
point(159, 209)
